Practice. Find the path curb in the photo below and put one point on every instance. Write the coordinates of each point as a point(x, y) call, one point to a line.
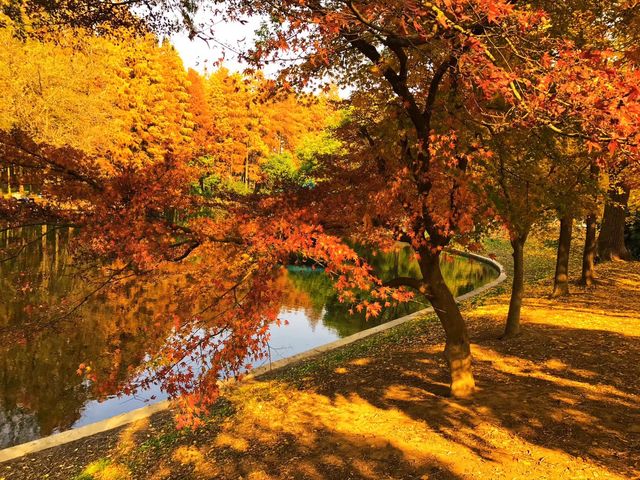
point(68, 436)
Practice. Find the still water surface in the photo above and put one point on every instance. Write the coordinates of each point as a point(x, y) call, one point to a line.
point(40, 391)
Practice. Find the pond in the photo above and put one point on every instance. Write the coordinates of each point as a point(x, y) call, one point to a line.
point(40, 391)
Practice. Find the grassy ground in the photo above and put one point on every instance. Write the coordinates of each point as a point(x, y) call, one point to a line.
point(560, 401)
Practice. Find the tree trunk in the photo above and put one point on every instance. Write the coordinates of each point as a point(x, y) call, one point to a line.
point(457, 350)
point(246, 170)
point(20, 184)
point(517, 290)
point(561, 279)
point(589, 253)
point(611, 241)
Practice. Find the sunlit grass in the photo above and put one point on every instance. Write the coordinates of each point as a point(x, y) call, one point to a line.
point(548, 404)
point(104, 469)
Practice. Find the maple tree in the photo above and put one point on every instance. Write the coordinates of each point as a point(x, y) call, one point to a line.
point(609, 27)
point(436, 86)
point(571, 194)
point(527, 190)
point(536, 178)
point(604, 26)
point(516, 180)
point(455, 69)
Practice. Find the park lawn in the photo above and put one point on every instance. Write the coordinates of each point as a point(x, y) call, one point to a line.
point(562, 400)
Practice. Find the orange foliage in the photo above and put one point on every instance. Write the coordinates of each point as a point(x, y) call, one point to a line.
point(432, 80)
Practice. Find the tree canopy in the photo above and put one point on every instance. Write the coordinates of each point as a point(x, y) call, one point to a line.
point(464, 115)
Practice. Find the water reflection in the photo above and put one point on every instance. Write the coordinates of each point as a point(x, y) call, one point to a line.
point(40, 391)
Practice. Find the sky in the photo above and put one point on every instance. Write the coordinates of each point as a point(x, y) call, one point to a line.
point(229, 37)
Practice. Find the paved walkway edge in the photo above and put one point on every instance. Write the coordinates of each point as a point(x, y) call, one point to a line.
point(144, 412)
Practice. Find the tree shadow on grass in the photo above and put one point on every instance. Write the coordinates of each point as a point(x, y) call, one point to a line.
point(293, 435)
point(546, 408)
point(560, 401)
point(553, 396)
point(275, 432)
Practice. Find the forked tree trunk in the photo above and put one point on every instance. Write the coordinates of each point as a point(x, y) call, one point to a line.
point(561, 279)
point(611, 241)
point(589, 253)
point(457, 350)
point(517, 289)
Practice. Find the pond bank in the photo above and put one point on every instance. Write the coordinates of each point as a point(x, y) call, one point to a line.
point(554, 402)
point(76, 434)
point(41, 394)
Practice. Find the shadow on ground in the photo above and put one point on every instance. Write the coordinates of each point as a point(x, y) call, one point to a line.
point(560, 401)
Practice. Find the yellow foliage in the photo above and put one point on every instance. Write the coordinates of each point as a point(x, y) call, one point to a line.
point(123, 102)
point(194, 457)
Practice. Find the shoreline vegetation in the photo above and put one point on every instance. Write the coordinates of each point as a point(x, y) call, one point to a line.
point(379, 408)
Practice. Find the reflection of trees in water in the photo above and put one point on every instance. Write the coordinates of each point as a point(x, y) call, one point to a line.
point(309, 290)
point(461, 274)
point(38, 376)
point(18, 426)
point(40, 391)
point(399, 262)
point(464, 275)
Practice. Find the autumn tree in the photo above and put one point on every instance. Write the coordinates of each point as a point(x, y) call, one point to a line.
point(571, 191)
point(431, 59)
point(611, 244)
point(258, 124)
point(610, 27)
point(536, 177)
point(516, 183)
point(429, 80)
point(105, 126)
point(204, 125)
point(206, 135)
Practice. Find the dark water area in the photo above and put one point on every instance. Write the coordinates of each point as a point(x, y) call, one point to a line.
point(40, 390)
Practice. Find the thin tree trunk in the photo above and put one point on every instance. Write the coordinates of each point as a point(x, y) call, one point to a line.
point(20, 184)
point(589, 253)
point(457, 349)
point(611, 241)
point(561, 279)
point(44, 264)
point(246, 170)
point(517, 290)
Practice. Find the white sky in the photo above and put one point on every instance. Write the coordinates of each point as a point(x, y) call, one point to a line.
point(229, 37)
